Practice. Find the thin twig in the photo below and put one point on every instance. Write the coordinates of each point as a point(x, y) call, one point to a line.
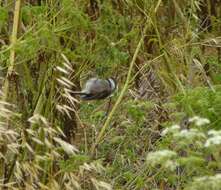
point(108, 107)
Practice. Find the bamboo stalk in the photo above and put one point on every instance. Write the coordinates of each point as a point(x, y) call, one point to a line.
point(107, 122)
point(5, 170)
point(13, 41)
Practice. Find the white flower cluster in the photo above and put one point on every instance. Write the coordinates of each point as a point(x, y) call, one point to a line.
point(214, 138)
point(189, 134)
point(171, 130)
point(209, 178)
point(205, 182)
point(163, 158)
point(199, 121)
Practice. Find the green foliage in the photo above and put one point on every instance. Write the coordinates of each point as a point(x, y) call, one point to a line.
point(3, 17)
point(202, 101)
point(30, 14)
point(137, 110)
point(73, 163)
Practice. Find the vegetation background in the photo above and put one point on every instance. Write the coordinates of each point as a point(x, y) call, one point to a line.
point(163, 130)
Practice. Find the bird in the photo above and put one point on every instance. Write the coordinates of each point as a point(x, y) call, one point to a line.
point(97, 89)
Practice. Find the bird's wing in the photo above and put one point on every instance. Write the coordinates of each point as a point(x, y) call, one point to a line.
point(100, 86)
point(89, 84)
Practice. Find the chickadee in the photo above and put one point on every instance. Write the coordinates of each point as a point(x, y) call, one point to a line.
point(96, 89)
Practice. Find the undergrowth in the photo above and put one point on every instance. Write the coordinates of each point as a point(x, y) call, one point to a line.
point(163, 127)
